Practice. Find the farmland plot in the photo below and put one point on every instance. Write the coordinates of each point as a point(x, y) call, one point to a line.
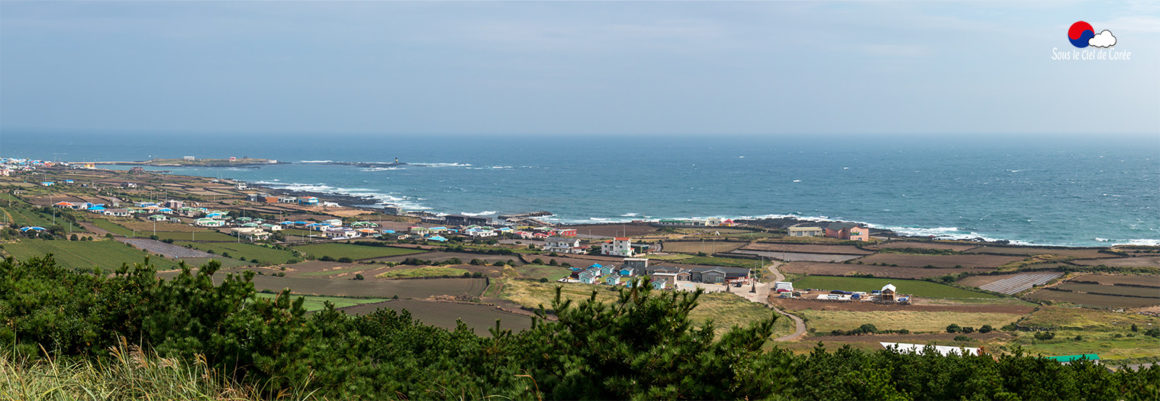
point(1019, 282)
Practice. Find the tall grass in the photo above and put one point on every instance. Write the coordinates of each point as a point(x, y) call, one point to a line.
point(129, 373)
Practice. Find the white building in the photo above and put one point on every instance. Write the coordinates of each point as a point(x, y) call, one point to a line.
point(563, 245)
point(341, 234)
point(783, 286)
point(619, 246)
point(805, 231)
point(251, 233)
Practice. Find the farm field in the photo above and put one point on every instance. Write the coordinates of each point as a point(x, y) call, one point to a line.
point(248, 252)
point(1072, 318)
point(919, 260)
point(825, 321)
point(479, 317)
point(314, 303)
point(1029, 251)
point(924, 289)
point(370, 288)
point(726, 310)
point(614, 230)
point(1001, 305)
point(1092, 300)
point(1141, 261)
point(465, 257)
point(142, 226)
point(23, 216)
point(708, 247)
point(1132, 291)
point(1019, 282)
point(536, 272)
point(353, 251)
point(807, 248)
point(942, 246)
point(111, 226)
point(1112, 279)
point(708, 260)
point(171, 251)
point(845, 269)
point(1106, 345)
point(84, 254)
point(1106, 333)
point(425, 271)
point(798, 256)
point(199, 236)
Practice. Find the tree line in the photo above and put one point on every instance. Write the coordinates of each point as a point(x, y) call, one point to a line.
point(640, 346)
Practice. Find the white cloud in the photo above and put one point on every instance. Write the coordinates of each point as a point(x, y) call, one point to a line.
point(1103, 39)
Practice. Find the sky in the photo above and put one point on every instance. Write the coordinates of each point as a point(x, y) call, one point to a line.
point(574, 68)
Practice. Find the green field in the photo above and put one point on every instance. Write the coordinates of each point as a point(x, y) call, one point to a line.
point(428, 271)
point(83, 254)
point(112, 227)
point(536, 272)
point(340, 250)
point(707, 260)
point(917, 288)
point(200, 235)
point(825, 321)
point(264, 255)
point(725, 310)
point(315, 302)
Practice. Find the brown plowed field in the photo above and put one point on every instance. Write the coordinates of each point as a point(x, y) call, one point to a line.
point(1093, 300)
point(945, 246)
point(708, 247)
point(808, 248)
point(479, 317)
point(800, 304)
point(1082, 253)
point(462, 256)
point(903, 259)
point(1111, 279)
point(1144, 261)
point(842, 269)
point(615, 230)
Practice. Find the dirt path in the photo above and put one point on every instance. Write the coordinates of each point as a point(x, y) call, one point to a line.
point(799, 325)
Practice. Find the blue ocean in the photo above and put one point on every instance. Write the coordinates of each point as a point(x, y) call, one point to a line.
point(1030, 190)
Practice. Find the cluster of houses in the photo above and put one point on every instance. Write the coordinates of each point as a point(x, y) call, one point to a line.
point(837, 229)
point(662, 277)
point(439, 233)
point(284, 199)
point(708, 222)
point(334, 229)
point(11, 165)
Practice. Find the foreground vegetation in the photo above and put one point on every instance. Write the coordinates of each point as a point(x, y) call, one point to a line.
point(641, 344)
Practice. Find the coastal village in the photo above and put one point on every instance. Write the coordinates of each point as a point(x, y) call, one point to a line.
point(835, 282)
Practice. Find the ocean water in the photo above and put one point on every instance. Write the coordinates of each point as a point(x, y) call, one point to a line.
point(1032, 190)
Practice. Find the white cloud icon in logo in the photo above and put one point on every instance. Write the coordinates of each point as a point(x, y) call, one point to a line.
point(1103, 39)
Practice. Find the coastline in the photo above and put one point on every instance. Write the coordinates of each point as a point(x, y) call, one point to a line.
point(378, 202)
point(776, 222)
